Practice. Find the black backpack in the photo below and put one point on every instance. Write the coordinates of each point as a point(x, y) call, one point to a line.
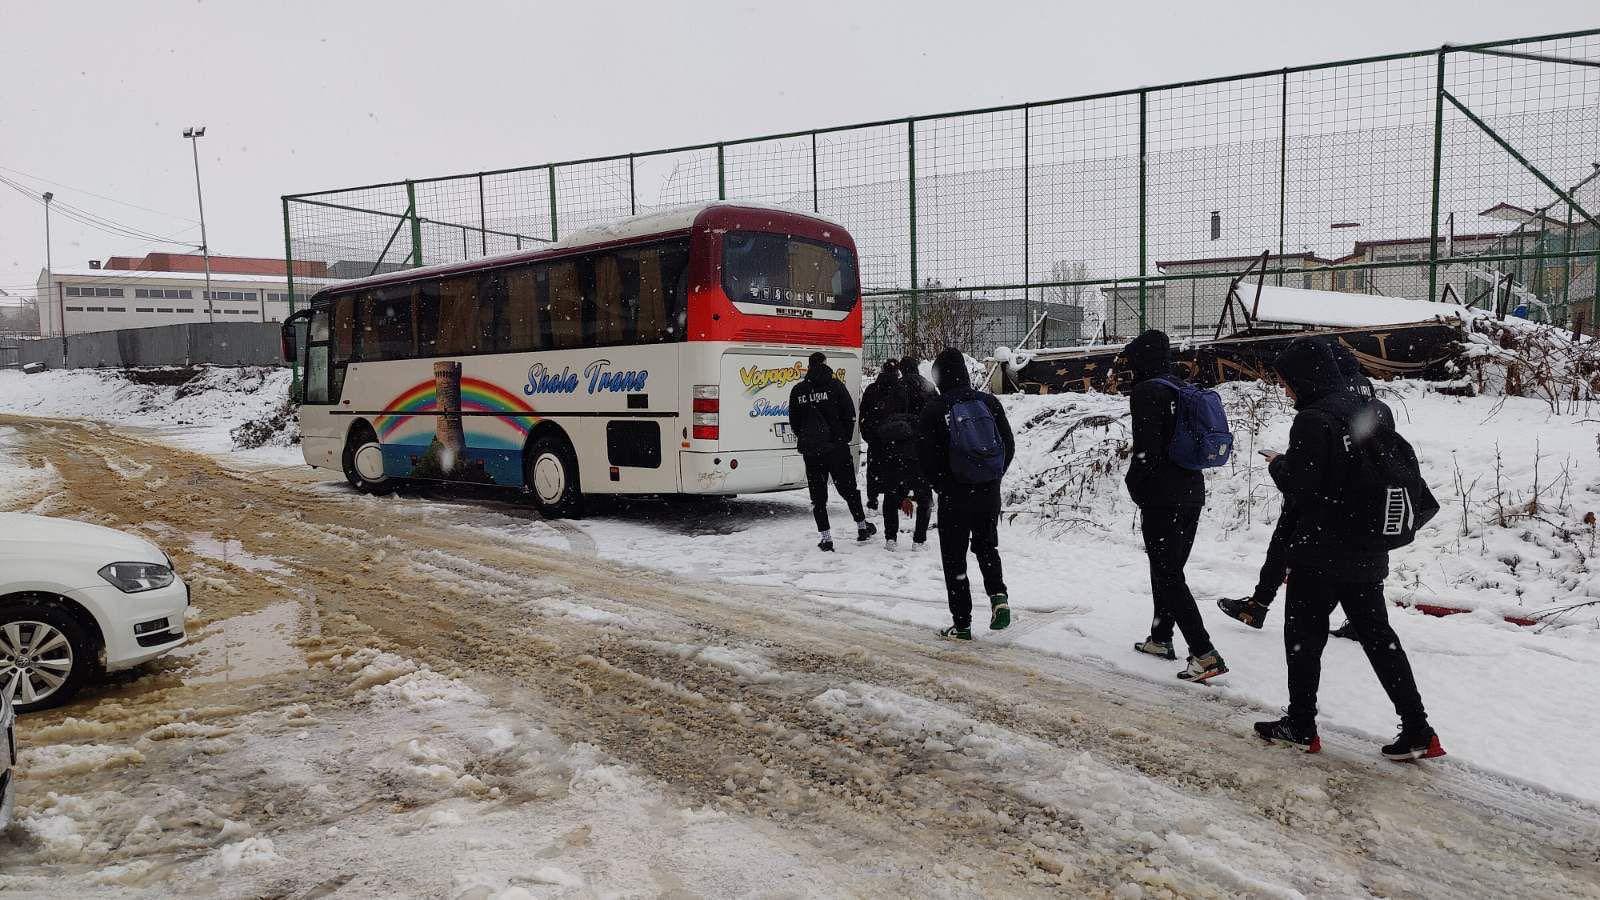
point(1387, 499)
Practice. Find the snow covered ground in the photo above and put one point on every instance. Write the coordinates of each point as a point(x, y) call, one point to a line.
point(193, 409)
point(268, 747)
point(1502, 696)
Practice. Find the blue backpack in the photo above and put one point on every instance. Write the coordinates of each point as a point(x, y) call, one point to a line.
point(1200, 437)
point(977, 453)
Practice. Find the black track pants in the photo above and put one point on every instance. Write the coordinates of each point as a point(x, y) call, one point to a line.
point(1311, 598)
point(1168, 537)
point(838, 465)
point(970, 515)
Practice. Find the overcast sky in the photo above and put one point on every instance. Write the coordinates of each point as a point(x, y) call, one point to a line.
point(300, 96)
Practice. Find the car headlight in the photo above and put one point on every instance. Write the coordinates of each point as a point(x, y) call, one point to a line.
point(133, 577)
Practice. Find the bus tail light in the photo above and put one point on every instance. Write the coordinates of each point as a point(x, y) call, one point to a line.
point(707, 408)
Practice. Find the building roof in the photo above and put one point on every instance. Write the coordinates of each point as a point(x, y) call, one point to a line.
point(131, 275)
point(195, 262)
point(1309, 257)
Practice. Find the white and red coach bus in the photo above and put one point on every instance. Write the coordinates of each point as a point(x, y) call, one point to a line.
point(653, 356)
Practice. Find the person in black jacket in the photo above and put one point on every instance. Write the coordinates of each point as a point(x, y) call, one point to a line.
point(1169, 498)
point(1252, 610)
point(823, 419)
point(968, 512)
point(899, 467)
point(1335, 558)
point(911, 374)
point(875, 402)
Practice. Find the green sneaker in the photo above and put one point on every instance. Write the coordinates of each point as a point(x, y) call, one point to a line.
point(956, 634)
point(999, 613)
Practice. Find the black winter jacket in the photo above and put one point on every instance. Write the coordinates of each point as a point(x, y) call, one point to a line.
point(1153, 479)
point(1320, 464)
point(821, 413)
point(933, 442)
point(877, 402)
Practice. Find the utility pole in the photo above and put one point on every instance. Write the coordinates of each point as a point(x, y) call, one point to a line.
point(50, 280)
point(194, 134)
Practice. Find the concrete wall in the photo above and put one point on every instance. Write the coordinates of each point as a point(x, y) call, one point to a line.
point(221, 344)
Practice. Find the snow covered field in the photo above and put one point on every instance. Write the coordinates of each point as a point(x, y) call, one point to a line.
point(328, 730)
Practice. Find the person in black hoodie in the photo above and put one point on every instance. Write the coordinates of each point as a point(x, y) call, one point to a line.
point(899, 468)
point(911, 374)
point(1169, 498)
point(968, 512)
point(823, 418)
point(875, 403)
point(1252, 610)
point(1335, 559)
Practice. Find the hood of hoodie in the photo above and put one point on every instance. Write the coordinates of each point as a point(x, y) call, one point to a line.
point(886, 375)
point(1309, 367)
point(819, 373)
point(1149, 354)
point(950, 371)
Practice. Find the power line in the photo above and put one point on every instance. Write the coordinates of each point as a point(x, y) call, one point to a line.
point(92, 220)
point(93, 194)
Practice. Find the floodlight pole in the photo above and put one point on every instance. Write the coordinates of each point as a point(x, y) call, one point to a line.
point(194, 135)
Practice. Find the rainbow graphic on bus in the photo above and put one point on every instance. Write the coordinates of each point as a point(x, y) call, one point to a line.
point(478, 397)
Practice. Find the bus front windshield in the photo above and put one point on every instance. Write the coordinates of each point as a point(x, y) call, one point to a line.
point(781, 271)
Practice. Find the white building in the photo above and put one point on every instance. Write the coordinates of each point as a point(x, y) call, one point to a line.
point(73, 300)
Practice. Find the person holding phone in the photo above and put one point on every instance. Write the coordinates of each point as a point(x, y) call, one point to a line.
point(1252, 610)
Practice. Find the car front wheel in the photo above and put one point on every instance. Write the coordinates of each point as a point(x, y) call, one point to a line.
point(45, 656)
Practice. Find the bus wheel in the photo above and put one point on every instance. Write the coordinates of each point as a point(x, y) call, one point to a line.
point(363, 462)
point(551, 474)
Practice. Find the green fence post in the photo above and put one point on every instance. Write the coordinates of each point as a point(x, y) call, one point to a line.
point(722, 186)
point(1438, 168)
point(633, 202)
point(1143, 214)
point(483, 219)
point(816, 199)
point(554, 234)
point(1566, 269)
point(416, 224)
point(1283, 173)
point(288, 266)
point(1027, 269)
point(916, 285)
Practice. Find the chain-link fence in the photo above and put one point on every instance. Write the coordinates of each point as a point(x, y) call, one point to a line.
point(1462, 173)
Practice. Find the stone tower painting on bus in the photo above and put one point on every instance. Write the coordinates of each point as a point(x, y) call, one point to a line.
point(446, 456)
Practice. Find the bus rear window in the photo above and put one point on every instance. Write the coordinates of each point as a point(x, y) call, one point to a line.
point(778, 270)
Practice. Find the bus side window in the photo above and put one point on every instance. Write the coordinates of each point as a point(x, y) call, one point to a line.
point(674, 290)
point(493, 325)
point(522, 310)
point(425, 304)
point(365, 345)
point(389, 334)
point(565, 305)
point(458, 315)
point(611, 308)
point(344, 329)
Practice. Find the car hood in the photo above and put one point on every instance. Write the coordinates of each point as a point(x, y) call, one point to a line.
point(40, 537)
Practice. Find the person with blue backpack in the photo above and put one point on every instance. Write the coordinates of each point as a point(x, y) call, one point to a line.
point(965, 446)
point(1178, 430)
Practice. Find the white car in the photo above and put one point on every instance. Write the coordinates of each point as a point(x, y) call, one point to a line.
point(77, 600)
